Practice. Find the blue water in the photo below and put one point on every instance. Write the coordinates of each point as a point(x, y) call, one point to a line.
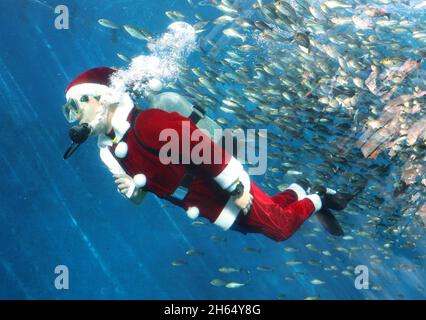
point(55, 212)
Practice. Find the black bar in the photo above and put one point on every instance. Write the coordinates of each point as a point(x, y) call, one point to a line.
point(216, 309)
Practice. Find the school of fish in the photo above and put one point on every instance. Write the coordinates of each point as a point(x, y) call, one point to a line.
point(341, 88)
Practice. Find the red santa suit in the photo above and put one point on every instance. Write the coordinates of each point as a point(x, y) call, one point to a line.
point(134, 145)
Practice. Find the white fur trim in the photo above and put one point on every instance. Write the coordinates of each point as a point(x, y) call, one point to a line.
point(140, 180)
point(88, 88)
point(193, 212)
point(230, 212)
point(316, 201)
point(230, 174)
point(119, 121)
point(108, 159)
point(300, 192)
point(121, 150)
point(228, 215)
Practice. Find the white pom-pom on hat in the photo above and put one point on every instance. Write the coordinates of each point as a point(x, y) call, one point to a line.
point(155, 85)
point(121, 150)
point(139, 180)
point(193, 212)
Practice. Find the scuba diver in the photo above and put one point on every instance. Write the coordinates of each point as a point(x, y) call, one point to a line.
point(130, 142)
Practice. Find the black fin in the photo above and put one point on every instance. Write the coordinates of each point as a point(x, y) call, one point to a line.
point(338, 201)
point(329, 222)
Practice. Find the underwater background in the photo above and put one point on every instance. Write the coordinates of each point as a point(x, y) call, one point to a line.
point(55, 212)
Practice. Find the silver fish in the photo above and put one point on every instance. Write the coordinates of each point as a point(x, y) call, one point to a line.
point(108, 24)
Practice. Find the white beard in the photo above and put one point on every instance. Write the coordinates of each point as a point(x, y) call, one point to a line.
point(99, 124)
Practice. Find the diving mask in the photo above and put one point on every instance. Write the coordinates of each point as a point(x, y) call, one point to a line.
point(72, 109)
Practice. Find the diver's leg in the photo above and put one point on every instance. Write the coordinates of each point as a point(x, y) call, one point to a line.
point(293, 193)
point(275, 221)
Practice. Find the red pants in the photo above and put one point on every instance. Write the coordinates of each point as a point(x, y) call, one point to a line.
point(277, 217)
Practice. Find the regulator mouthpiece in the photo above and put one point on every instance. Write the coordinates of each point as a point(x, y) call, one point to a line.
point(78, 135)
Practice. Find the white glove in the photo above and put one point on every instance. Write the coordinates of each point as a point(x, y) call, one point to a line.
point(125, 184)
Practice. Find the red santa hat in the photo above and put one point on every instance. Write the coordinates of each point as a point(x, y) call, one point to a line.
point(92, 82)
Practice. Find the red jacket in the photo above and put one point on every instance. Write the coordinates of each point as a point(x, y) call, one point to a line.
point(207, 195)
